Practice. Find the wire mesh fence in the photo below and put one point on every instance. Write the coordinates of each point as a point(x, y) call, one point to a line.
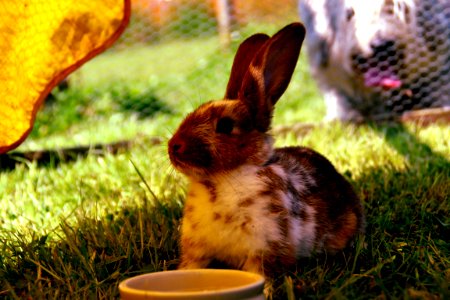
point(413, 60)
point(181, 51)
point(396, 60)
point(164, 20)
point(380, 58)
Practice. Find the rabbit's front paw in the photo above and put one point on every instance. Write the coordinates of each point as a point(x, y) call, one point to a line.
point(254, 264)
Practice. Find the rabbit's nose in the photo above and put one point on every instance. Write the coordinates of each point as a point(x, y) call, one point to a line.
point(380, 45)
point(176, 147)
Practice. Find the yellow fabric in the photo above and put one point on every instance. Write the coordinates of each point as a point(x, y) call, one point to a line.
point(41, 42)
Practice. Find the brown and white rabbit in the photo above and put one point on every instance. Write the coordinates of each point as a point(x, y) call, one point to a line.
point(249, 205)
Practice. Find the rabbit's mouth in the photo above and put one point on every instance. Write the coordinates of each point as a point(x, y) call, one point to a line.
point(381, 68)
point(387, 79)
point(189, 157)
point(187, 169)
point(184, 167)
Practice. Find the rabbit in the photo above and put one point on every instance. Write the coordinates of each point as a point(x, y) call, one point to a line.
point(250, 206)
point(378, 60)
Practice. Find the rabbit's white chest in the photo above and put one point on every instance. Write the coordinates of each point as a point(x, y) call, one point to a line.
point(228, 217)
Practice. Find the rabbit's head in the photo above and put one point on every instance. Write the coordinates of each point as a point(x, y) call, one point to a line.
point(226, 134)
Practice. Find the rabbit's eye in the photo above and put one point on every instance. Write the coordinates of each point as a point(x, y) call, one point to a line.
point(225, 125)
point(349, 13)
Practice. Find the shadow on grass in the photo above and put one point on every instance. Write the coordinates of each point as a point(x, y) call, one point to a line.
point(89, 260)
point(52, 158)
point(408, 220)
point(415, 200)
point(408, 145)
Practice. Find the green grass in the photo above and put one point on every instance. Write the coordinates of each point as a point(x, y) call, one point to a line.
point(74, 230)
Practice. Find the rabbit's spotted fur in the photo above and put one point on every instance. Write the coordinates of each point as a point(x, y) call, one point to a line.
point(249, 205)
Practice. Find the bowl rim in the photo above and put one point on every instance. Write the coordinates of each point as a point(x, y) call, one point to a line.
point(257, 285)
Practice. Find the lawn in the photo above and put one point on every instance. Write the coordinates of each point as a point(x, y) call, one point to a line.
point(75, 229)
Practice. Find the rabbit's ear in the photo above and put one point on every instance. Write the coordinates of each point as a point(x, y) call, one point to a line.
point(270, 72)
point(244, 55)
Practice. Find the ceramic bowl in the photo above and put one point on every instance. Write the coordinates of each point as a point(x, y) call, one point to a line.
point(194, 284)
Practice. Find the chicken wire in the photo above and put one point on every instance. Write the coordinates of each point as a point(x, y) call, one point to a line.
point(219, 25)
point(415, 67)
point(381, 58)
point(406, 73)
point(154, 21)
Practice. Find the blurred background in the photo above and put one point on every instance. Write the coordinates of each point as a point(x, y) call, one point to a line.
point(174, 55)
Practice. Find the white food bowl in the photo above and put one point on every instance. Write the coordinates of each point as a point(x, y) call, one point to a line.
point(194, 284)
